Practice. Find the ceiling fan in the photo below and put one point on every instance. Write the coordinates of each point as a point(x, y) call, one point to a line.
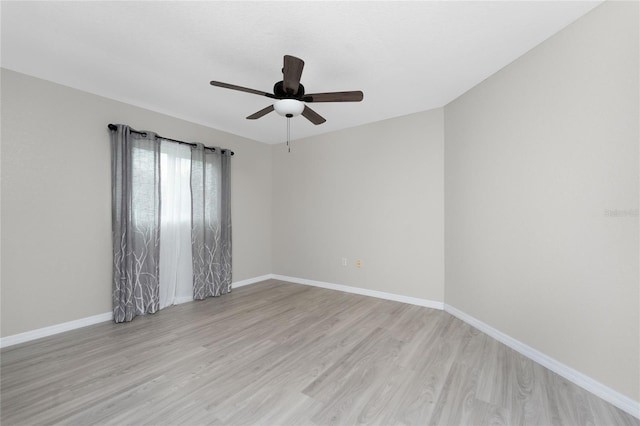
point(290, 94)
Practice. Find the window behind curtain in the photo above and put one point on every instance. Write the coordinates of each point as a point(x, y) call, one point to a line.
point(176, 282)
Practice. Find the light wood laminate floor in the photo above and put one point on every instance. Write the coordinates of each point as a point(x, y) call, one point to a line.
point(277, 353)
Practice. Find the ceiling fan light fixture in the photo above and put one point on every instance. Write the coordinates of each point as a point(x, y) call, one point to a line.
point(289, 107)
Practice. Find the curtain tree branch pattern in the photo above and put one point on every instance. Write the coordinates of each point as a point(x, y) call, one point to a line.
point(135, 175)
point(210, 222)
point(194, 194)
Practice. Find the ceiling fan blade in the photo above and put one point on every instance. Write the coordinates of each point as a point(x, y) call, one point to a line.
point(355, 96)
point(312, 116)
point(260, 113)
point(241, 89)
point(292, 72)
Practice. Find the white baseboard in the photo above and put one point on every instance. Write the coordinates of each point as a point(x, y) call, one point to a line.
point(613, 397)
point(363, 291)
point(252, 280)
point(54, 329)
point(95, 319)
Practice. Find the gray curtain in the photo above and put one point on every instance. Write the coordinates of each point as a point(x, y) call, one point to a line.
point(135, 174)
point(211, 221)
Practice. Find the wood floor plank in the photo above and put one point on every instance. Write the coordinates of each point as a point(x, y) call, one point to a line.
point(370, 368)
point(456, 401)
point(276, 353)
point(422, 393)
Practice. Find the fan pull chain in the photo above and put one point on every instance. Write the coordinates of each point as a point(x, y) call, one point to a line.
point(289, 134)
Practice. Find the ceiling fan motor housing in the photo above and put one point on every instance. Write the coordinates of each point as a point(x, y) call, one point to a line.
point(280, 93)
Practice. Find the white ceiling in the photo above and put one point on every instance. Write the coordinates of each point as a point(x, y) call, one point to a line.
point(405, 56)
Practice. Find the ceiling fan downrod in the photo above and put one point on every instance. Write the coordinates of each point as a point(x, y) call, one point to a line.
point(289, 132)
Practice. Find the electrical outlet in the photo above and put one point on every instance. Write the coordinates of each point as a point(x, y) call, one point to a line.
point(344, 261)
point(359, 263)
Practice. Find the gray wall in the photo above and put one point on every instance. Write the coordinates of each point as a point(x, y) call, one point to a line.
point(56, 199)
point(536, 157)
point(374, 193)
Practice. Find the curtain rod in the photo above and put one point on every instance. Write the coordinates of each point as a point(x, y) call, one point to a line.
point(114, 127)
